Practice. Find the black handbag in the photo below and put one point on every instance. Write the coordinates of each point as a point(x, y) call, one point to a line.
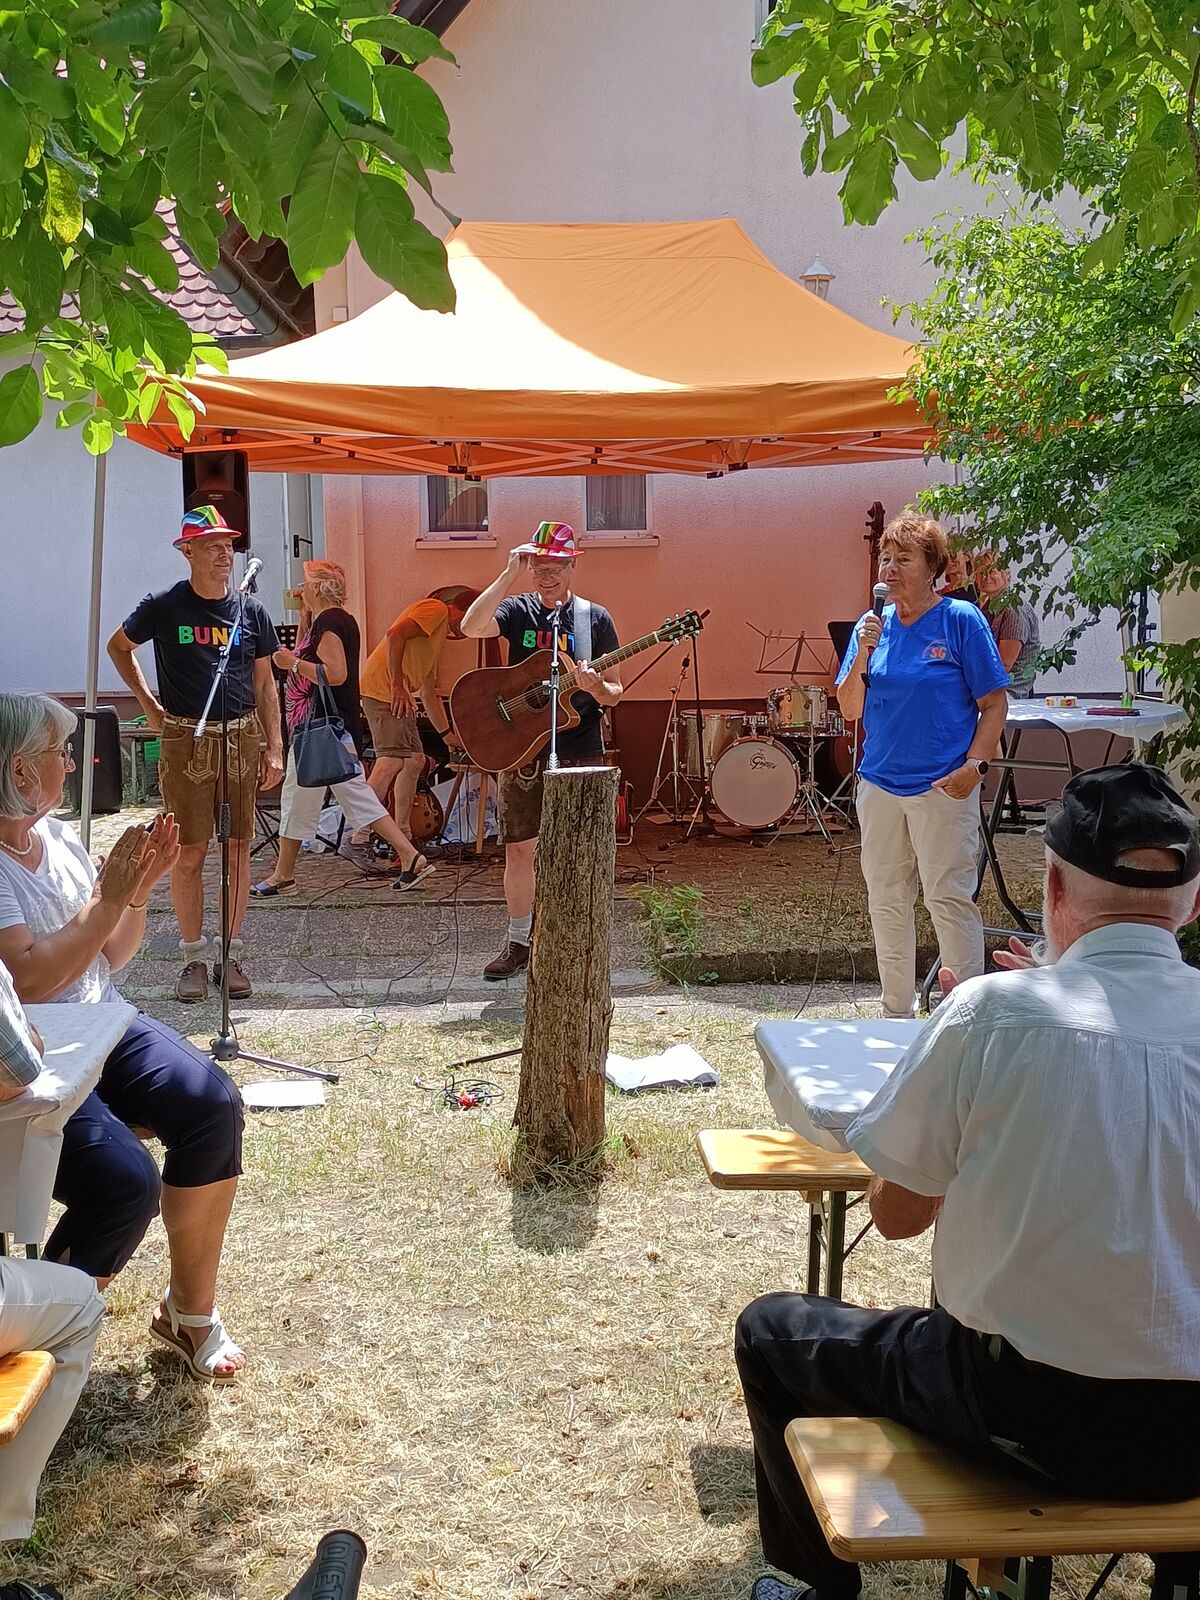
point(321, 756)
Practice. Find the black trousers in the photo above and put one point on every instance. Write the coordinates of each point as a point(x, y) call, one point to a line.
point(806, 1356)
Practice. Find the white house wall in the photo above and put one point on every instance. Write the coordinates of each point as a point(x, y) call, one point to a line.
point(46, 491)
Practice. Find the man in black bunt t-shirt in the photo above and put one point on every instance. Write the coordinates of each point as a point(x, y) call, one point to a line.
point(525, 621)
point(188, 624)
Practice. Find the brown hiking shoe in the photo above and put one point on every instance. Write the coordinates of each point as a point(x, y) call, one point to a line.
point(240, 987)
point(512, 959)
point(192, 983)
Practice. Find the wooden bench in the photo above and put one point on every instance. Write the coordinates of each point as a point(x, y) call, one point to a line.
point(775, 1158)
point(24, 1377)
point(884, 1493)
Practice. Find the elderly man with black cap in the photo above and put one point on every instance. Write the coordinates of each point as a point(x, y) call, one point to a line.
point(1047, 1117)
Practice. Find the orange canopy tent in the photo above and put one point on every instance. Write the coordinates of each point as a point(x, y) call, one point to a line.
point(574, 349)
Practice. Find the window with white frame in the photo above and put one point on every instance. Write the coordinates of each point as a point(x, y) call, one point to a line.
point(456, 509)
point(617, 507)
point(762, 10)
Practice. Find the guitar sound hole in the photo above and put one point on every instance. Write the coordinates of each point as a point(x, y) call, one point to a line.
point(536, 698)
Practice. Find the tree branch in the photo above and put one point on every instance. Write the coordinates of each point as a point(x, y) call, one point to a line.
point(1193, 137)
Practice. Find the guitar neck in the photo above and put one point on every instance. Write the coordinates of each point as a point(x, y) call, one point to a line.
point(601, 663)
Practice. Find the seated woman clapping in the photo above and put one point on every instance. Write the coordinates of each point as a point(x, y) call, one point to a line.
point(63, 930)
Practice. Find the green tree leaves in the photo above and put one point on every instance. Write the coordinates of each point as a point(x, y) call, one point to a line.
point(394, 246)
point(20, 404)
point(292, 114)
point(1060, 374)
point(1095, 96)
point(321, 219)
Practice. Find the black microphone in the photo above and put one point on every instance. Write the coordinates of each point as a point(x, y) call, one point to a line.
point(253, 568)
point(879, 596)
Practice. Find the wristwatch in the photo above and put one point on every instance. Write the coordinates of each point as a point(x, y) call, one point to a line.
point(981, 767)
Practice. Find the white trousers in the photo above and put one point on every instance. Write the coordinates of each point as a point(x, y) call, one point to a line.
point(932, 840)
point(43, 1307)
point(300, 808)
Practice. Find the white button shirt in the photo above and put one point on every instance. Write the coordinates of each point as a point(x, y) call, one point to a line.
point(1058, 1112)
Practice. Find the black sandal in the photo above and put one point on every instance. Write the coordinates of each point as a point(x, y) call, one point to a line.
point(417, 873)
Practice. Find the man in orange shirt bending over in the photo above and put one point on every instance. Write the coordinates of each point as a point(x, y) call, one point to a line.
point(402, 668)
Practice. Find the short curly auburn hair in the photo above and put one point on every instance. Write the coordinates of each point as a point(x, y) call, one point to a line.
point(911, 530)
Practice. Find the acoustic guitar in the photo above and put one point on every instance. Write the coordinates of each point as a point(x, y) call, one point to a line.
point(502, 714)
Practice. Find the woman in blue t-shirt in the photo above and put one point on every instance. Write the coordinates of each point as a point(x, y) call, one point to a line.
point(931, 689)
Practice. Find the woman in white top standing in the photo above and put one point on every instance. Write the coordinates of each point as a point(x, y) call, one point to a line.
point(63, 930)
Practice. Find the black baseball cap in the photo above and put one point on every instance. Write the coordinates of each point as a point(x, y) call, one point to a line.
point(1110, 810)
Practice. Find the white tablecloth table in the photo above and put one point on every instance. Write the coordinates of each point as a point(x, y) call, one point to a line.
point(1097, 716)
point(820, 1074)
point(78, 1039)
point(1089, 716)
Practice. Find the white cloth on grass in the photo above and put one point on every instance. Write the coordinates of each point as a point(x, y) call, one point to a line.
point(1058, 1112)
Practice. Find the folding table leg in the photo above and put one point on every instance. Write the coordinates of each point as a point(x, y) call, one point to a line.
point(1039, 1570)
point(1176, 1577)
point(835, 1252)
point(812, 1281)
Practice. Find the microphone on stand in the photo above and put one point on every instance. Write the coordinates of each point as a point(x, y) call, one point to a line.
point(253, 568)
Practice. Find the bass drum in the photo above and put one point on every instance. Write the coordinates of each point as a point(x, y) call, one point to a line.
point(756, 782)
point(721, 728)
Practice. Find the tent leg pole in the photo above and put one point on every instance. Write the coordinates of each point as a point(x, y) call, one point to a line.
point(93, 657)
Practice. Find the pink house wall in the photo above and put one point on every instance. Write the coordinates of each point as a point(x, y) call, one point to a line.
point(787, 556)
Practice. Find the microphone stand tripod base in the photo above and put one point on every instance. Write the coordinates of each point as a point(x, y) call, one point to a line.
point(225, 1048)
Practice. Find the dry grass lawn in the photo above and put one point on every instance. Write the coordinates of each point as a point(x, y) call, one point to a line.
point(507, 1395)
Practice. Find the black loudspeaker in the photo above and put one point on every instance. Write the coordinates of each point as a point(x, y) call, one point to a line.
point(220, 478)
point(106, 763)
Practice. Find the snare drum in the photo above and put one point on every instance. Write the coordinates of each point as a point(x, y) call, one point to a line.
point(798, 706)
point(756, 782)
point(721, 728)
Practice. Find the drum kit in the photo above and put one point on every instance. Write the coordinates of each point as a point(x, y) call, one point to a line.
point(787, 768)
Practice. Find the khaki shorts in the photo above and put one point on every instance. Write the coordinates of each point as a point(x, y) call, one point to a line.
point(392, 736)
point(189, 777)
point(520, 796)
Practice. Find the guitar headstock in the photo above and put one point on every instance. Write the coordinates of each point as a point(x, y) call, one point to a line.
point(685, 626)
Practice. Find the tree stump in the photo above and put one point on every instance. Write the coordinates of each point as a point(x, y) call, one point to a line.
point(568, 1006)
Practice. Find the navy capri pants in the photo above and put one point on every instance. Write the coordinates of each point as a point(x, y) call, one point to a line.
point(107, 1179)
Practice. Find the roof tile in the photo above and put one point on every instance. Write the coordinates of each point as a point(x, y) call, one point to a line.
point(201, 305)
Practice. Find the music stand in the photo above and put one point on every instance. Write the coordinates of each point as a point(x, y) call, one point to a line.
point(775, 650)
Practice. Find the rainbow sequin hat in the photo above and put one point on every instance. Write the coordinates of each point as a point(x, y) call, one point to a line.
point(204, 522)
point(553, 539)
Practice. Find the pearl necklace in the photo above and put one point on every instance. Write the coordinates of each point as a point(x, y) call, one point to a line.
point(13, 851)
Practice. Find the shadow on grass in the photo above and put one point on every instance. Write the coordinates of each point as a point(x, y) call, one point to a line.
point(723, 1476)
point(553, 1219)
point(495, 1022)
point(125, 1508)
point(120, 1417)
point(728, 1580)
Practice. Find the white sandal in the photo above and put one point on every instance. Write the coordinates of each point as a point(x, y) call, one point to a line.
point(203, 1361)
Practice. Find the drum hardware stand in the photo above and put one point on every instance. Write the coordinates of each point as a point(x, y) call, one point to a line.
point(810, 798)
point(702, 822)
point(673, 776)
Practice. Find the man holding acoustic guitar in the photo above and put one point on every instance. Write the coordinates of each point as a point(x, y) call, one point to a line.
point(526, 622)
